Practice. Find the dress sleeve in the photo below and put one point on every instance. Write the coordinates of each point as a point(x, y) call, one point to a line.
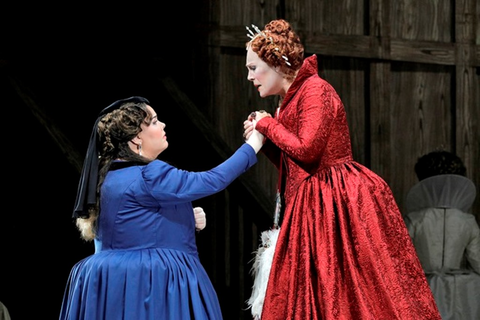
point(473, 248)
point(315, 110)
point(171, 185)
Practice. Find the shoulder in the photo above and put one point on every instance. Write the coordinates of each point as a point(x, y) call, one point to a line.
point(156, 168)
point(471, 220)
point(316, 84)
point(316, 89)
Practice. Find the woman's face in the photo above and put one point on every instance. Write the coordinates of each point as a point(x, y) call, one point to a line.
point(266, 79)
point(153, 137)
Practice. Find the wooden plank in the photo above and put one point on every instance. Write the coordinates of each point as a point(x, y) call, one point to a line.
point(379, 94)
point(422, 20)
point(325, 17)
point(421, 119)
point(433, 52)
point(467, 98)
point(361, 46)
point(357, 46)
point(476, 61)
point(379, 28)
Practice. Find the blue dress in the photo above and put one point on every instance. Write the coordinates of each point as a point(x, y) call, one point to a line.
point(146, 264)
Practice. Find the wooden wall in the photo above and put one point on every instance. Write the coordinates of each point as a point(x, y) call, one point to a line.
point(407, 71)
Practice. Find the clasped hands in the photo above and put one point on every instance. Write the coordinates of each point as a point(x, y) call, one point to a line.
point(249, 124)
point(252, 136)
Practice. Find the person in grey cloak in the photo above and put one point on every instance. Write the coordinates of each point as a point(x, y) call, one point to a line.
point(446, 236)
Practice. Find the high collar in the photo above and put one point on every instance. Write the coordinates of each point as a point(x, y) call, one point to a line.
point(442, 191)
point(308, 69)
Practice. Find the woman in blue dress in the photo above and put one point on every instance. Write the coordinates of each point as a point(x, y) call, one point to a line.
point(138, 211)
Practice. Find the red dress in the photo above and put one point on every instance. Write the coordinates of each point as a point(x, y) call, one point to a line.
point(343, 251)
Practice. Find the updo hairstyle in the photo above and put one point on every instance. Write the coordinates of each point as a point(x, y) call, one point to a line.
point(276, 42)
point(119, 127)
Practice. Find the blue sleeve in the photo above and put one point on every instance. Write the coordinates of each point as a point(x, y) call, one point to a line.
point(170, 185)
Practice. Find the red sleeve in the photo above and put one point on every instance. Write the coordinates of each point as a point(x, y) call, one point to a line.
point(305, 123)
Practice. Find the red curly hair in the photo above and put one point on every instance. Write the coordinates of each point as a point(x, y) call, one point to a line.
point(276, 41)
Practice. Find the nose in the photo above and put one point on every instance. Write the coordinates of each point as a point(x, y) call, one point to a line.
point(250, 76)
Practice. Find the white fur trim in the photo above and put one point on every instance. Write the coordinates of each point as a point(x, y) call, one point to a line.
point(261, 271)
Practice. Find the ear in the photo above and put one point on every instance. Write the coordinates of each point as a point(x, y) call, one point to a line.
point(136, 141)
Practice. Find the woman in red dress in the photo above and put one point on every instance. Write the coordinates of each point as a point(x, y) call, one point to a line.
point(343, 251)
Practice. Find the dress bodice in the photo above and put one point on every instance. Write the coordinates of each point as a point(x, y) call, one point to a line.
point(311, 129)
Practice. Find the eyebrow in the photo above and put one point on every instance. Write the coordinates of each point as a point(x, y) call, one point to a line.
point(153, 118)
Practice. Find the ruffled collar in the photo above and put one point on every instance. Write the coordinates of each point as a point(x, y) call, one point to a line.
point(442, 191)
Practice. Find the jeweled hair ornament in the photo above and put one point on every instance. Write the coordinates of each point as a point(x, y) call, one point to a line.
point(87, 186)
point(252, 35)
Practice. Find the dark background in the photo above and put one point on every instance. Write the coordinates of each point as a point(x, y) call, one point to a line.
point(39, 242)
point(75, 62)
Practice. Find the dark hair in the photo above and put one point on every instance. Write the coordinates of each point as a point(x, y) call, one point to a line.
point(119, 127)
point(439, 162)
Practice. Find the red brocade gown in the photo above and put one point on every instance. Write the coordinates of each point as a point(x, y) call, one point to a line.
point(343, 251)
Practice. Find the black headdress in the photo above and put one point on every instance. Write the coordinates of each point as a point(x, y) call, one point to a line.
point(87, 186)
